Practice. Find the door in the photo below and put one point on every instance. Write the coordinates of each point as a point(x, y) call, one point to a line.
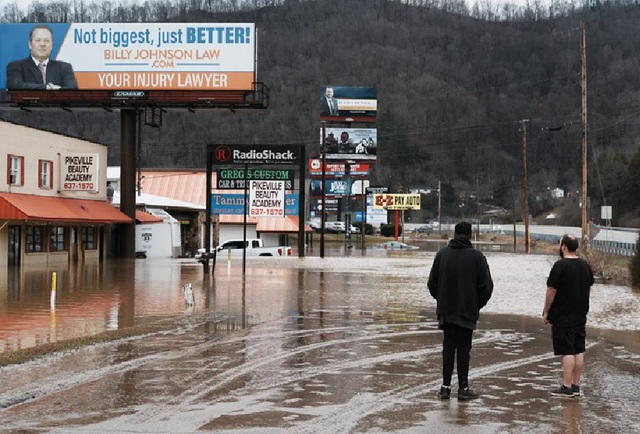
point(14, 245)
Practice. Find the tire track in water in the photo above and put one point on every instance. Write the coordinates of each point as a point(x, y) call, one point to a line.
point(190, 402)
point(186, 402)
point(32, 391)
point(340, 421)
point(152, 419)
point(193, 394)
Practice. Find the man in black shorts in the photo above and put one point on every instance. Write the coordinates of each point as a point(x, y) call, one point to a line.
point(566, 307)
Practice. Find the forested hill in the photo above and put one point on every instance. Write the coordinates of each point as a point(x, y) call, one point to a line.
point(454, 86)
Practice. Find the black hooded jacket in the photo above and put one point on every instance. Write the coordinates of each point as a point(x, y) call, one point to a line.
point(460, 281)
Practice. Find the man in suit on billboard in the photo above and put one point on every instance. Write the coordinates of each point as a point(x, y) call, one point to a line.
point(329, 103)
point(38, 71)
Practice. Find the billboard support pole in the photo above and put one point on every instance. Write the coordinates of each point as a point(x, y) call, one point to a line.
point(244, 221)
point(207, 217)
point(324, 180)
point(301, 203)
point(363, 226)
point(128, 180)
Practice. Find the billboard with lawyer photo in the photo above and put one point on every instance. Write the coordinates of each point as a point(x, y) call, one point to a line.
point(128, 56)
point(338, 103)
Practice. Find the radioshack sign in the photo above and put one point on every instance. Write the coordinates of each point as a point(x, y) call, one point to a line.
point(255, 154)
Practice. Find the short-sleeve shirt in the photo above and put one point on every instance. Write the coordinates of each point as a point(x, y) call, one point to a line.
point(572, 279)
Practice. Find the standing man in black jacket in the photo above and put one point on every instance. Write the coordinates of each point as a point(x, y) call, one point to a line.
point(460, 281)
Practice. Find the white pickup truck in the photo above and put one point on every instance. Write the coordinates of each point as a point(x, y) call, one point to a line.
point(255, 247)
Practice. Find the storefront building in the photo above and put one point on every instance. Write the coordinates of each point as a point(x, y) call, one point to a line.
point(53, 197)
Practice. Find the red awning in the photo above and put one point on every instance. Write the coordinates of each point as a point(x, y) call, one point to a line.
point(15, 206)
point(145, 218)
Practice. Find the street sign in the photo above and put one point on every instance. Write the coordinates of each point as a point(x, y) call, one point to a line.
point(233, 179)
point(396, 201)
point(266, 198)
point(233, 204)
point(377, 190)
point(337, 169)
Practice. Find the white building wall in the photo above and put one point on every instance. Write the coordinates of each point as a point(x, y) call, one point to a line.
point(236, 232)
point(33, 145)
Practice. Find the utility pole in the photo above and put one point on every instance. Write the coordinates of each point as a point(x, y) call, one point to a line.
point(479, 214)
point(440, 207)
point(527, 244)
point(583, 77)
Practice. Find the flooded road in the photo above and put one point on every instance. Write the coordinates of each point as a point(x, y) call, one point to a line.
point(306, 345)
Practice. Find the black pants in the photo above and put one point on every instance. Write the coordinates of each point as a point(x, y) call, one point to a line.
point(456, 339)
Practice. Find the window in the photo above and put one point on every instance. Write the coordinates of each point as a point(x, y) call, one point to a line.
point(89, 237)
point(45, 174)
point(35, 239)
point(58, 238)
point(15, 170)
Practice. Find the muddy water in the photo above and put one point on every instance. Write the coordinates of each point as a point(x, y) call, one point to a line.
point(93, 298)
point(335, 345)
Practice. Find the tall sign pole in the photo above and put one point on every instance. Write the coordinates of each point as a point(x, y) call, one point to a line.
point(583, 76)
point(301, 202)
point(207, 217)
point(324, 186)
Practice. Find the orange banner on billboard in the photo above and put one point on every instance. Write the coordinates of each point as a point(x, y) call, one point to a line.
point(165, 80)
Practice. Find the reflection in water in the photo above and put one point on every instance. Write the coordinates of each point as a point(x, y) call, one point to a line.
point(116, 294)
point(571, 417)
point(90, 298)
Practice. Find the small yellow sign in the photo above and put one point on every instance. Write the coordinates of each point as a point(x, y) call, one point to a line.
point(396, 201)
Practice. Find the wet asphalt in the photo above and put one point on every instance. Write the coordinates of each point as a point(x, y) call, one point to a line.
point(311, 349)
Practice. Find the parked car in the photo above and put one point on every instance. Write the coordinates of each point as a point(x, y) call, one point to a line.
point(315, 225)
point(335, 227)
point(254, 247)
point(395, 245)
point(426, 229)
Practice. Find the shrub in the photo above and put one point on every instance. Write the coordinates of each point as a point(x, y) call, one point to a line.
point(389, 230)
point(368, 228)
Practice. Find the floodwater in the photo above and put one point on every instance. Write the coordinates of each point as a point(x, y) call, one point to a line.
point(342, 344)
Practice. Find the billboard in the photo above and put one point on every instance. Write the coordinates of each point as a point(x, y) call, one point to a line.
point(337, 187)
point(350, 143)
point(330, 206)
point(337, 169)
point(341, 102)
point(128, 56)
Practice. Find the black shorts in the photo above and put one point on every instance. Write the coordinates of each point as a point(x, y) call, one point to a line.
point(568, 340)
